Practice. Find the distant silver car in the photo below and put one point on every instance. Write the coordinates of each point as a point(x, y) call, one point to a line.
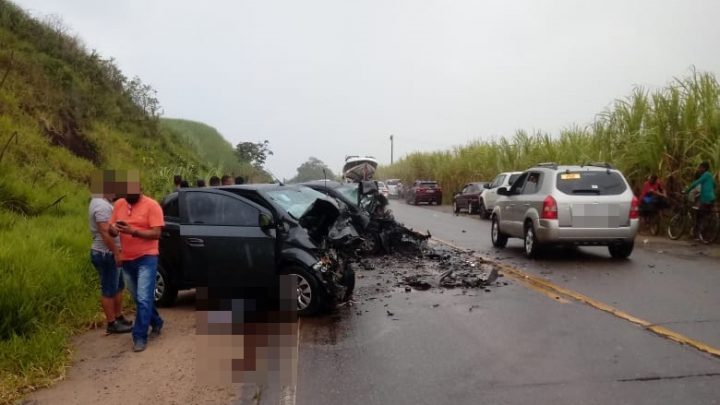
point(393, 186)
point(573, 205)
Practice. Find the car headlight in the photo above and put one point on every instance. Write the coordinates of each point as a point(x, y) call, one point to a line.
point(320, 266)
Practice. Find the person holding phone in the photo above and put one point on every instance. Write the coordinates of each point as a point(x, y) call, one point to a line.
point(105, 253)
point(138, 220)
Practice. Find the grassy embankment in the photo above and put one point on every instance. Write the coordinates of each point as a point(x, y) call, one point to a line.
point(64, 112)
point(214, 149)
point(666, 131)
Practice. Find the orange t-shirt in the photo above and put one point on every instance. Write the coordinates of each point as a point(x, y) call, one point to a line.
point(143, 215)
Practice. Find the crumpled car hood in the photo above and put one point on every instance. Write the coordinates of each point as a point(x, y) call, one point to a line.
point(325, 221)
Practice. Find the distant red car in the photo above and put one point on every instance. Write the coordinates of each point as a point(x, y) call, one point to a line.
point(427, 191)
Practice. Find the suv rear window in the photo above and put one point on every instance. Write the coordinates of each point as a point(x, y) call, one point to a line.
point(591, 183)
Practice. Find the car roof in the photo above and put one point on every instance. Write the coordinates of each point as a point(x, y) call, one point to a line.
point(258, 187)
point(574, 168)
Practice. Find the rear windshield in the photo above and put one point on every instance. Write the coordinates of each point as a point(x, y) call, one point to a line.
point(428, 184)
point(591, 183)
point(392, 182)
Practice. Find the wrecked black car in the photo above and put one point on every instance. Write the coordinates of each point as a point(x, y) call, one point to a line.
point(245, 236)
point(369, 212)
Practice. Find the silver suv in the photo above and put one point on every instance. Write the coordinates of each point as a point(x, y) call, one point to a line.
point(490, 196)
point(573, 205)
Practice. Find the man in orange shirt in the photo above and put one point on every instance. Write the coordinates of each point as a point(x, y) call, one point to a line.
point(138, 220)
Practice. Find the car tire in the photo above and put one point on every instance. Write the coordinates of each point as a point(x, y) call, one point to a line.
point(482, 211)
point(165, 290)
point(499, 239)
point(456, 209)
point(473, 208)
point(309, 296)
point(531, 245)
point(621, 250)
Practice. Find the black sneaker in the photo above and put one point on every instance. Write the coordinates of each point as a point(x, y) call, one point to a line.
point(155, 331)
point(139, 346)
point(121, 319)
point(117, 327)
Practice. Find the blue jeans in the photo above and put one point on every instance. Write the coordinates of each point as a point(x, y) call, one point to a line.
point(111, 278)
point(141, 274)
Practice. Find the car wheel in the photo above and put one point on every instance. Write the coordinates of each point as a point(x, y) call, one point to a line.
point(471, 208)
point(482, 211)
point(499, 239)
point(621, 250)
point(165, 291)
point(307, 290)
point(456, 209)
point(531, 244)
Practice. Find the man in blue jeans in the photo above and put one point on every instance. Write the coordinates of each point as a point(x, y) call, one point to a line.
point(105, 253)
point(139, 220)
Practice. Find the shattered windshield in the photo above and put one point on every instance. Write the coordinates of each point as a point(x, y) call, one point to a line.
point(349, 191)
point(295, 200)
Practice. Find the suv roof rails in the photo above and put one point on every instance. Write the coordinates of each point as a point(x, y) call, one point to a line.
point(604, 165)
point(551, 165)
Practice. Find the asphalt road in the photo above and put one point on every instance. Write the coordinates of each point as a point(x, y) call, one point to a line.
point(516, 345)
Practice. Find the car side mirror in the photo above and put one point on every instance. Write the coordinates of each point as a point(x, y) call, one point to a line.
point(266, 221)
point(503, 191)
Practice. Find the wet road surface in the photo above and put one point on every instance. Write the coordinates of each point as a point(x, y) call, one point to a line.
point(513, 344)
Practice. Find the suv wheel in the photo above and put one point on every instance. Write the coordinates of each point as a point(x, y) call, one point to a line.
point(621, 250)
point(531, 244)
point(499, 239)
point(165, 291)
point(308, 290)
point(456, 209)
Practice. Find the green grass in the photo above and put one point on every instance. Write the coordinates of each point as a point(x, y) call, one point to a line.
point(57, 92)
point(214, 149)
point(667, 131)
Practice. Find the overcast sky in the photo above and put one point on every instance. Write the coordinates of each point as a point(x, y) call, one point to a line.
point(328, 78)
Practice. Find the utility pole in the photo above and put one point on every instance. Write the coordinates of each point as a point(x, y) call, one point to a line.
point(392, 147)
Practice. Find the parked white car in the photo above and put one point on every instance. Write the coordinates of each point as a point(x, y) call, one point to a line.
point(489, 197)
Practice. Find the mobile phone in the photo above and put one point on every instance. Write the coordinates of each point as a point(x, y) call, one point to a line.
point(123, 223)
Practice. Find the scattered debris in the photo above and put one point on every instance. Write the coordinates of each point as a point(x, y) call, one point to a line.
point(389, 313)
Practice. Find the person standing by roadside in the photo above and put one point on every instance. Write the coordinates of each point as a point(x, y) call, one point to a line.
point(138, 220)
point(707, 194)
point(214, 181)
point(105, 252)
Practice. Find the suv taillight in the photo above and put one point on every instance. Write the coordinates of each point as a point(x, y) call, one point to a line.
point(635, 208)
point(550, 209)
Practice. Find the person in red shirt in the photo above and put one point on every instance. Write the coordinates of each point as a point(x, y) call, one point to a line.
point(653, 196)
point(138, 220)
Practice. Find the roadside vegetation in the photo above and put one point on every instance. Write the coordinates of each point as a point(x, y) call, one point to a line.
point(64, 112)
point(219, 154)
point(667, 131)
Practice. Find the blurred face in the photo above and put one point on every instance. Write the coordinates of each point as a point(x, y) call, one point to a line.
point(131, 191)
